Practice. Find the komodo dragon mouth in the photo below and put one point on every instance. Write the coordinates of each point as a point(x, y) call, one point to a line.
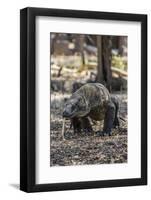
point(68, 116)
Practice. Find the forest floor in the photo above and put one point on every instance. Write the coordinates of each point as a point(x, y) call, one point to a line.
point(82, 149)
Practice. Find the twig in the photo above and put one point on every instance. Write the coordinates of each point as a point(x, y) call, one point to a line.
point(63, 129)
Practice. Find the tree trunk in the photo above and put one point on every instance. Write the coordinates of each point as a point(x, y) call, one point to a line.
point(122, 45)
point(104, 73)
point(106, 49)
point(80, 39)
point(100, 75)
point(81, 44)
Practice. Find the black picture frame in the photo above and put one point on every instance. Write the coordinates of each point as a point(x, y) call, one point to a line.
point(28, 99)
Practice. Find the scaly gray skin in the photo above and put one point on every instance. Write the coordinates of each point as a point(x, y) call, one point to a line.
point(92, 101)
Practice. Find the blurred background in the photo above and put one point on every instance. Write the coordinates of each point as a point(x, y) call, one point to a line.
point(81, 58)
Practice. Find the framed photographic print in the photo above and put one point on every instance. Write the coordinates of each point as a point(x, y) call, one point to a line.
point(83, 99)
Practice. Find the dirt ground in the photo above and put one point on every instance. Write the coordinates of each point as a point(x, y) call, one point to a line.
point(82, 149)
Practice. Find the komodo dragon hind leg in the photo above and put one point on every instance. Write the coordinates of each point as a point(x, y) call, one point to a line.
point(109, 120)
point(116, 118)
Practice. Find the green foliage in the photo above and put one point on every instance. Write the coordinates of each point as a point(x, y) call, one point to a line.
point(119, 62)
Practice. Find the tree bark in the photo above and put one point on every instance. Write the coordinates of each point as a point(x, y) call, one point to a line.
point(104, 74)
point(80, 41)
point(106, 49)
point(100, 75)
point(122, 44)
